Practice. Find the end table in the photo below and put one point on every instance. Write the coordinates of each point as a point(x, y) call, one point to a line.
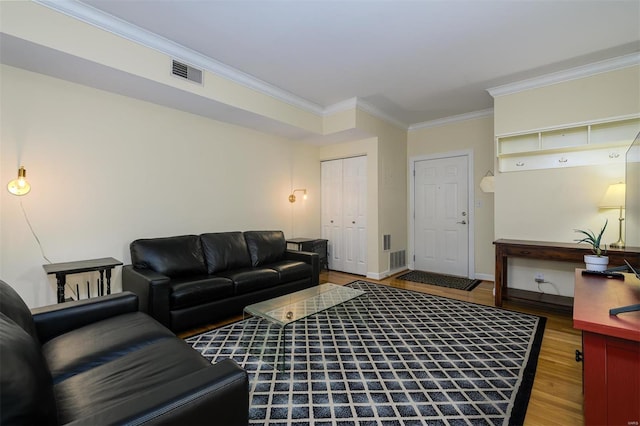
point(314, 245)
point(61, 270)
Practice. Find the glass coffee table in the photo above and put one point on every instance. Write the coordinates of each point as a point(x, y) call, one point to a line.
point(285, 310)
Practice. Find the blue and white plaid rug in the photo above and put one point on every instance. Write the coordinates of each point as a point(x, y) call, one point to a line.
point(390, 357)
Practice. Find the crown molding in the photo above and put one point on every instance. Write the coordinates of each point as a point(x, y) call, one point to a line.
point(567, 75)
point(121, 28)
point(370, 109)
point(345, 105)
point(453, 119)
point(355, 103)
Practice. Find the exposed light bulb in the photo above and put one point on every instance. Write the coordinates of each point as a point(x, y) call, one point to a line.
point(19, 186)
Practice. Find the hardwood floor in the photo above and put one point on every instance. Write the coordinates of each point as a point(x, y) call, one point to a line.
point(556, 398)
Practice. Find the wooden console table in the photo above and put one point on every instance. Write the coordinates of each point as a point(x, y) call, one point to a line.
point(610, 348)
point(61, 270)
point(543, 250)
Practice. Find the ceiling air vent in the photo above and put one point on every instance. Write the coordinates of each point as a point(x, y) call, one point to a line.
point(186, 71)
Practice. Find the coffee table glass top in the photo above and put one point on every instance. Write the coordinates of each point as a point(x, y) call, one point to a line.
point(292, 307)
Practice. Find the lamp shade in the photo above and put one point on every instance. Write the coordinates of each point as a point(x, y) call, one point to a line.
point(487, 184)
point(614, 197)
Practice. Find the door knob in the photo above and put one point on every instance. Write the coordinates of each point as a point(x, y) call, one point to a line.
point(353, 221)
point(464, 222)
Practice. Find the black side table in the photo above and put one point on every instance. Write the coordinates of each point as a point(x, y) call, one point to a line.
point(61, 270)
point(314, 245)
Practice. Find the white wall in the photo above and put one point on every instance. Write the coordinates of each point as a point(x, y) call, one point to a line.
point(107, 169)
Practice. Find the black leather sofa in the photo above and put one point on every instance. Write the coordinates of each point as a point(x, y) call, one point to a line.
point(101, 361)
point(191, 280)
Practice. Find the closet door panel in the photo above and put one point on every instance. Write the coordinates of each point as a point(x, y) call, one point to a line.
point(332, 212)
point(344, 218)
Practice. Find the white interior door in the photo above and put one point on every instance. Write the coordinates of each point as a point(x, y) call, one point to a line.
point(332, 212)
point(441, 229)
point(344, 213)
point(354, 200)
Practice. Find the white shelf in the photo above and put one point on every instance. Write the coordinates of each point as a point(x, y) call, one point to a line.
point(603, 142)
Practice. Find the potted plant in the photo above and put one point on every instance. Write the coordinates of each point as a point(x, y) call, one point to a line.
point(596, 261)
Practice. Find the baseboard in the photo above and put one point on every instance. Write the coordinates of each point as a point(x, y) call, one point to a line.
point(384, 274)
point(485, 277)
point(378, 275)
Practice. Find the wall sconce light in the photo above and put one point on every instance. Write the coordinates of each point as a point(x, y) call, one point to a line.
point(292, 196)
point(487, 183)
point(19, 186)
point(614, 199)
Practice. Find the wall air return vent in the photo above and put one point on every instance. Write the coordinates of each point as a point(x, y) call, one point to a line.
point(186, 72)
point(397, 260)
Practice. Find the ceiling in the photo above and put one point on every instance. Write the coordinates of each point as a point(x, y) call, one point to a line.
point(413, 61)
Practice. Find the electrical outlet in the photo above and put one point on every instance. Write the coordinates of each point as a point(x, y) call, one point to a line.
point(539, 277)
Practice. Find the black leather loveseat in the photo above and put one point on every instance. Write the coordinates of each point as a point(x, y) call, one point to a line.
point(101, 361)
point(191, 280)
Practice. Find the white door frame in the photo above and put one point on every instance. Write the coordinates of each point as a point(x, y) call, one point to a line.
point(470, 201)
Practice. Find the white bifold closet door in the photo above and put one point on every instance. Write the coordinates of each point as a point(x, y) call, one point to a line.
point(344, 213)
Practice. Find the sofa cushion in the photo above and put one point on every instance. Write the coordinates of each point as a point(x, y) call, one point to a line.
point(99, 343)
point(251, 279)
point(265, 246)
point(291, 270)
point(225, 250)
point(12, 305)
point(196, 291)
point(134, 373)
point(26, 390)
point(170, 256)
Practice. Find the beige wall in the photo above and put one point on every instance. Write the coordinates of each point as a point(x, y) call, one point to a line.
point(107, 169)
point(43, 26)
point(386, 186)
point(392, 187)
point(547, 205)
point(610, 94)
point(475, 135)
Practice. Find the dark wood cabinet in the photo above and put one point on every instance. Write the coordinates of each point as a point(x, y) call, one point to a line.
point(544, 250)
point(314, 245)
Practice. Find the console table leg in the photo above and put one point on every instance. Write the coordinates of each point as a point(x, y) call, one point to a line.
point(61, 279)
point(500, 285)
point(108, 273)
point(101, 287)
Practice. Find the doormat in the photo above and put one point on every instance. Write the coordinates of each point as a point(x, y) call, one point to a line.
point(389, 357)
point(448, 281)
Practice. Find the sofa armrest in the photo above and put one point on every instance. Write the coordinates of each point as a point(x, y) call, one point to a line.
point(311, 258)
point(54, 320)
point(215, 395)
point(152, 289)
